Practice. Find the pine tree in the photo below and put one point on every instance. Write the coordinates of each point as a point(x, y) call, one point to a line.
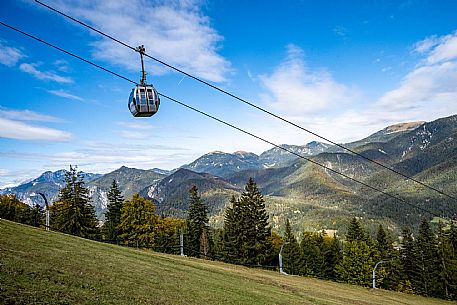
point(332, 256)
point(256, 245)
point(355, 231)
point(292, 256)
point(425, 281)
point(74, 213)
point(313, 258)
point(246, 230)
point(408, 259)
point(113, 213)
point(357, 263)
point(138, 222)
point(230, 235)
point(383, 244)
point(197, 224)
point(447, 266)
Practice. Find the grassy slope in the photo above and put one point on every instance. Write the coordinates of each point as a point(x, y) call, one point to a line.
point(39, 267)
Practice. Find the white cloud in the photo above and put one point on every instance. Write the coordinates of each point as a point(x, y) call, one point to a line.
point(295, 89)
point(427, 92)
point(136, 125)
point(438, 49)
point(22, 131)
point(430, 89)
point(64, 94)
point(44, 75)
point(176, 32)
point(9, 56)
point(104, 157)
point(62, 65)
point(26, 115)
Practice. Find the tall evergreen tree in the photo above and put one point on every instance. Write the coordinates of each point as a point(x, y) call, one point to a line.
point(447, 266)
point(197, 224)
point(292, 256)
point(74, 213)
point(383, 244)
point(355, 231)
point(332, 257)
point(311, 246)
point(246, 228)
point(230, 235)
point(357, 263)
point(408, 259)
point(425, 281)
point(113, 213)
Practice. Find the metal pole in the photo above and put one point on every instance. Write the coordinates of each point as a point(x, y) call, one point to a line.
point(374, 273)
point(280, 259)
point(181, 243)
point(47, 210)
point(141, 50)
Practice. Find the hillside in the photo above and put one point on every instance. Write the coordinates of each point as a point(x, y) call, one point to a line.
point(39, 267)
point(130, 180)
point(171, 194)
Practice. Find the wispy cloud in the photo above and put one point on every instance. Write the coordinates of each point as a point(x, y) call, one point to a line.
point(103, 157)
point(44, 75)
point(26, 115)
point(340, 31)
point(62, 65)
point(136, 125)
point(295, 89)
point(9, 56)
point(429, 90)
point(175, 31)
point(65, 94)
point(21, 131)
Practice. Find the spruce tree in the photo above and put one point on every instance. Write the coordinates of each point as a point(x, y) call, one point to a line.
point(425, 281)
point(246, 230)
point(113, 213)
point(408, 259)
point(447, 266)
point(383, 244)
point(230, 236)
point(256, 246)
point(197, 224)
point(355, 231)
point(357, 263)
point(313, 256)
point(332, 256)
point(292, 256)
point(75, 214)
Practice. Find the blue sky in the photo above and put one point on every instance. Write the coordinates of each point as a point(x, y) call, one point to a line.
point(344, 69)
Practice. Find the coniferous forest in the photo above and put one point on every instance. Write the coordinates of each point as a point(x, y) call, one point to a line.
point(423, 260)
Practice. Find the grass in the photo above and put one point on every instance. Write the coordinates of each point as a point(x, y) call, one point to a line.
point(39, 267)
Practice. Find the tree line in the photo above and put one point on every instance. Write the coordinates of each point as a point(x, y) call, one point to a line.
point(423, 263)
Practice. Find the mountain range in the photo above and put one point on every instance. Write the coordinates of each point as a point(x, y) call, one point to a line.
point(312, 197)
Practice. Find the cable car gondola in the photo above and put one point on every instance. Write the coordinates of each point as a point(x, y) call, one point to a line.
point(144, 100)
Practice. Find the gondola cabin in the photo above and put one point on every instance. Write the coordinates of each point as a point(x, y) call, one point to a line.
point(144, 101)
